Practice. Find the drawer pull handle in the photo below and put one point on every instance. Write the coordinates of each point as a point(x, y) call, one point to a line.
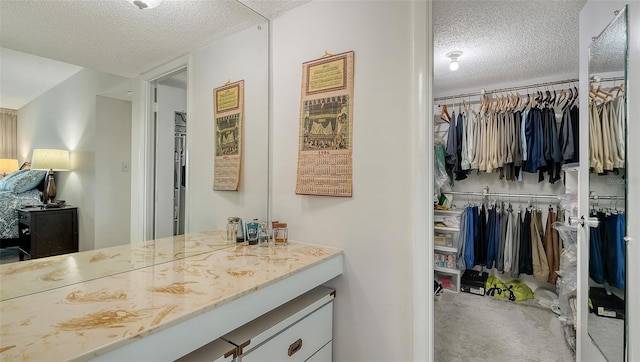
point(26, 231)
point(295, 347)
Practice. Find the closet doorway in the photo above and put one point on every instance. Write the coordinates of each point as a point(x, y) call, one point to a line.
point(169, 129)
point(501, 77)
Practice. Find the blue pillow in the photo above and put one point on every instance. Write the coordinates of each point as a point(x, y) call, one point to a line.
point(25, 181)
point(4, 181)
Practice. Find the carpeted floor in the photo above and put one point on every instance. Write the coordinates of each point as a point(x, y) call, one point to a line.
point(474, 328)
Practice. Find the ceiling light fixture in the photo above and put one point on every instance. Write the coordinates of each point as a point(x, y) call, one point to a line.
point(454, 55)
point(145, 4)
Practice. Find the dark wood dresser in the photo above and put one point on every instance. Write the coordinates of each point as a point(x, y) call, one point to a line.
point(47, 232)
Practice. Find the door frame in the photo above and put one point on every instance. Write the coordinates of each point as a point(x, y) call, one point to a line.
point(142, 141)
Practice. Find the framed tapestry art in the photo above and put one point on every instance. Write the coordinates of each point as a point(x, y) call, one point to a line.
point(325, 143)
point(228, 118)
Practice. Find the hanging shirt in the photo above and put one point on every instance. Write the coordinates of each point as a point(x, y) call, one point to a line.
point(620, 115)
point(618, 159)
point(515, 251)
point(539, 258)
point(606, 137)
point(525, 259)
point(566, 137)
point(575, 125)
point(451, 155)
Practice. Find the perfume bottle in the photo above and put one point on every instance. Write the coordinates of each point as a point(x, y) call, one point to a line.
point(263, 234)
point(252, 231)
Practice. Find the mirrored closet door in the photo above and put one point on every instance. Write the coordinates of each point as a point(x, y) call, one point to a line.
point(608, 161)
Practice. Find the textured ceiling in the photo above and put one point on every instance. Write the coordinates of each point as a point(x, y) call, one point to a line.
point(115, 37)
point(607, 52)
point(111, 36)
point(504, 41)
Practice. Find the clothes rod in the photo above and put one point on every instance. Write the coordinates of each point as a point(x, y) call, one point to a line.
point(510, 89)
point(530, 196)
point(499, 194)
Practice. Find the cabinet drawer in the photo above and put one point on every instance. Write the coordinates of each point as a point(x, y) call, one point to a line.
point(24, 217)
point(217, 351)
point(325, 354)
point(298, 342)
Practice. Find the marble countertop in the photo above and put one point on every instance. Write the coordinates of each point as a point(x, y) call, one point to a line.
point(92, 315)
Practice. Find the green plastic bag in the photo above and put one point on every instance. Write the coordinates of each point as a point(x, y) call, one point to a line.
point(517, 291)
point(495, 288)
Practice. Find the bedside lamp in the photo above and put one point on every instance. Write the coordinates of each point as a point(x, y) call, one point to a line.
point(51, 160)
point(8, 165)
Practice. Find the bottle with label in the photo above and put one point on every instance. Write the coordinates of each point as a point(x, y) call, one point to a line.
point(263, 234)
point(252, 231)
point(280, 233)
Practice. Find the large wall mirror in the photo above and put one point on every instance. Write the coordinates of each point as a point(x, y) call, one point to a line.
point(93, 114)
point(608, 139)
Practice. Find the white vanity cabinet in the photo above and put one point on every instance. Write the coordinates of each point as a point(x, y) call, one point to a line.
point(299, 330)
point(217, 351)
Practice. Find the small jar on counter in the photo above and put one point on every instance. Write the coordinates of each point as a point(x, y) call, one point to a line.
point(280, 233)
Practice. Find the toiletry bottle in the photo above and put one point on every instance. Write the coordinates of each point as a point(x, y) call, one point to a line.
point(252, 232)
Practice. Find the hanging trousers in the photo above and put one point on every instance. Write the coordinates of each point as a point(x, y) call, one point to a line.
point(552, 247)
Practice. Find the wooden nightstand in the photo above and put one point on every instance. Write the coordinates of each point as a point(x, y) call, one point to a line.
point(47, 232)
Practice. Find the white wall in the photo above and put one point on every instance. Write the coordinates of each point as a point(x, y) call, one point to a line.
point(242, 56)
point(373, 314)
point(65, 117)
point(170, 100)
point(113, 184)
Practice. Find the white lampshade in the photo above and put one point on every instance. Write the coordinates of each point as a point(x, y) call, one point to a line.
point(50, 159)
point(8, 165)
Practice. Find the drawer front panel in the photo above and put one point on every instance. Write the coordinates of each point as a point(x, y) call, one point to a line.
point(54, 234)
point(325, 354)
point(298, 342)
point(24, 217)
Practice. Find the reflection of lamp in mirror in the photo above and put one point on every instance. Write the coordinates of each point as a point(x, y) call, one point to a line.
point(7, 165)
point(52, 160)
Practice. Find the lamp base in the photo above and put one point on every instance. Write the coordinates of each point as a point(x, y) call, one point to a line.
point(49, 191)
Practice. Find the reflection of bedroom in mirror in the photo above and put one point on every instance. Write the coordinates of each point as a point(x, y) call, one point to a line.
point(607, 260)
point(95, 110)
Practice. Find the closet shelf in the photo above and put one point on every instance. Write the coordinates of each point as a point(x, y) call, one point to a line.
point(447, 249)
point(445, 228)
point(447, 270)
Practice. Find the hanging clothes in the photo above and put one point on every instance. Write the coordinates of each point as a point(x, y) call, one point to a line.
point(493, 237)
point(480, 246)
point(540, 263)
point(515, 251)
point(451, 155)
point(608, 263)
point(461, 260)
point(535, 142)
point(503, 238)
point(460, 174)
point(619, 128)
point(525, 258)
point(567, 143)
point(596, 255)
point(552, 247)
point(508, 242)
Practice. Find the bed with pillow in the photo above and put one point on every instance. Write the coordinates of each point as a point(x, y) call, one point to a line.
point(19, 188)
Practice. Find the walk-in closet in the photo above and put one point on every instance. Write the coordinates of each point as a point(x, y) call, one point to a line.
point(530, 175)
